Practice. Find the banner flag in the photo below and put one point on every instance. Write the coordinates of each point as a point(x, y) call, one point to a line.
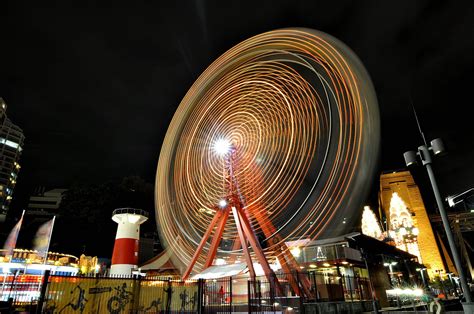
point(43, 238)
point(10, 243)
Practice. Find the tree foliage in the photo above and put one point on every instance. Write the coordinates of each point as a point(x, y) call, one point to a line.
point(84, 223)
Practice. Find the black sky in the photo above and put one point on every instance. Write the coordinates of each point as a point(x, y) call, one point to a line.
point(94, 88)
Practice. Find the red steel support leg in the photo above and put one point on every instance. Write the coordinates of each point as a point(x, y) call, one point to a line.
point(258, 250)
point(286, 259)
point(243, 240)
point(216, 239)
point(254, 242)
point(202, 243)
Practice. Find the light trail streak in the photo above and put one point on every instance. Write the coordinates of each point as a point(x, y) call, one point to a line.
point(301, 112)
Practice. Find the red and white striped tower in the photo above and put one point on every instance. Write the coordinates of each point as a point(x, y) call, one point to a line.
point(125, 255)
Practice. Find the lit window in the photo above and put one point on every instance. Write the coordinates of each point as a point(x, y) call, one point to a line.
point(9, 143)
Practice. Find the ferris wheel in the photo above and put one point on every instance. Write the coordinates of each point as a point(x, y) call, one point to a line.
point(277, 140)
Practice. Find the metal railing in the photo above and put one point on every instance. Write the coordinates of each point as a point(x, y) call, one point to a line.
point(125, 294)
point(128, 210)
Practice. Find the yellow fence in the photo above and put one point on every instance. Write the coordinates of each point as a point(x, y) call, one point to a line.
point(119, 295)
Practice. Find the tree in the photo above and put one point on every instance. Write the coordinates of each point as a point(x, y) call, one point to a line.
point(84, 223)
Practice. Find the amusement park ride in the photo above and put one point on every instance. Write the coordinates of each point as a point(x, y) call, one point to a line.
point(276, 139)
point(234, 202)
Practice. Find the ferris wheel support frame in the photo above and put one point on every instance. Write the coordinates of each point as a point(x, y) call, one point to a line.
point(246, 235)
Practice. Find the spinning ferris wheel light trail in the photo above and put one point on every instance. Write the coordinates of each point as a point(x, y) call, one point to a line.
point(275, 141)
point(232, 203)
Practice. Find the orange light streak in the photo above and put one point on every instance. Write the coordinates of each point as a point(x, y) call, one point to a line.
point(301, 111)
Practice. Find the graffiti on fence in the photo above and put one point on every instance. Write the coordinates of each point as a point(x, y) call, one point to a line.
point(154, 305)
point(114, 296)
point(117, 303)
point(88, 295)
point(186, 300)
point(77, 302)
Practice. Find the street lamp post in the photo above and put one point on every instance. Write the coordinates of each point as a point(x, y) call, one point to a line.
point(443, 289)
point(391, 270)
point(453, 283)
point(422, 270)
point(390, 265)
point(437, 148)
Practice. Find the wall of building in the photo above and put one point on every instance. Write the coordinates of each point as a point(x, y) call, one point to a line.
point(403, 183)
point(45, 203)
point(11, 146)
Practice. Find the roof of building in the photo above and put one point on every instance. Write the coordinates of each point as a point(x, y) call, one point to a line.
point(160, 262)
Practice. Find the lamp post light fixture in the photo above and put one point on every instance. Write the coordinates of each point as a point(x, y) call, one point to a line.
point(443, 289)
point(453, 283)
point(422, 271)
point(390, 265)
point(454, 200)
point(392, 282)
point(437, 148)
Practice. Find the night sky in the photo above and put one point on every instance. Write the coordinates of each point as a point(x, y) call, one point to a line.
point(94, 88)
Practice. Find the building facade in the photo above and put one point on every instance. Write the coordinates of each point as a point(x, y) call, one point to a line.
point(400, 184)
point(45, 203)
point(11, 146)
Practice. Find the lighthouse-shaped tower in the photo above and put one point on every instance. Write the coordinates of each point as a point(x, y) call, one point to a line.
point(125, 255)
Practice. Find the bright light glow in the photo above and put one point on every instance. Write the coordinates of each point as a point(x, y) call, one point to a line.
point(8, 143)
point(295, 251)
point(220, 261)
point(133, 218)
point(222, 203)
point(405, 233)
point(326, 264)
point(396, 291)
point(370, 224)
point(417, 292)
point(222, 146)
point(275, 266)
point(312, 266)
